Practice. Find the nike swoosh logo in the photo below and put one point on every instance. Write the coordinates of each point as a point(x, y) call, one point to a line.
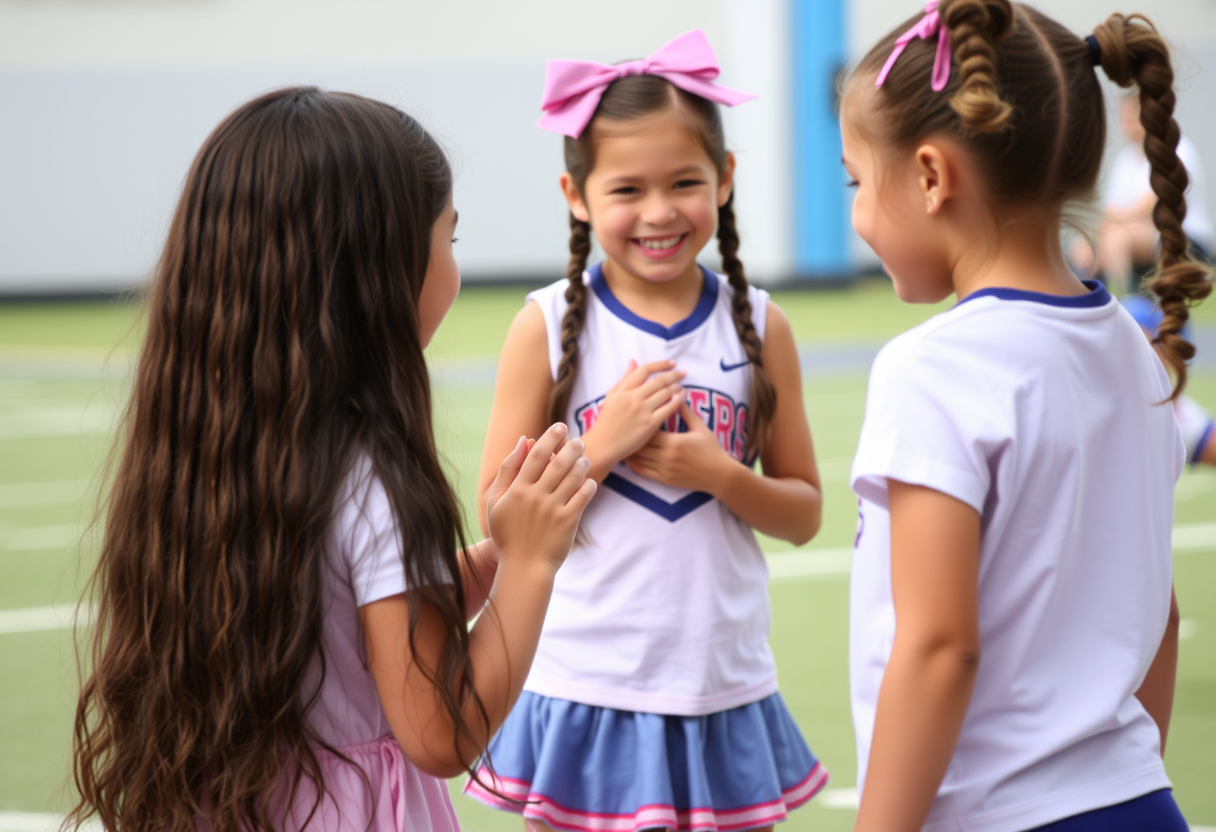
point(726, 368)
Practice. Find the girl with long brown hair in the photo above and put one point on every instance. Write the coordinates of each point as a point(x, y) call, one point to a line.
point(653, 702)
point(284, 584)
point(1013, 629)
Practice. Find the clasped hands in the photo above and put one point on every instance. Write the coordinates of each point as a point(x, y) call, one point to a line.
point(629, 428)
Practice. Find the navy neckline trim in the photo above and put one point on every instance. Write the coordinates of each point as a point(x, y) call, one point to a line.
point(1096, 296)
point(705, 305)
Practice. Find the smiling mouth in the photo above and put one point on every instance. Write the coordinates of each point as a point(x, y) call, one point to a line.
point(660, 243)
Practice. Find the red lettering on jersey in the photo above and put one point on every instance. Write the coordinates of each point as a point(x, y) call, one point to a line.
point(740, 450)
point(724, 420)
point(699, 403)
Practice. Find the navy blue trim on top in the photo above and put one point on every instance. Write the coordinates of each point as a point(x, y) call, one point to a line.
point(1202, 445)
point(671, 512)
point(705, 305)
point(1096, 296)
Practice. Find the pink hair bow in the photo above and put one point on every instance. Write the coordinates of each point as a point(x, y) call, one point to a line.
point(929, 25)
point(573, 88)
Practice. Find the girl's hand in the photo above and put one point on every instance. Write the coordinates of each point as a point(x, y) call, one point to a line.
point(537, 499)
point(692, 460)
point(633, 411)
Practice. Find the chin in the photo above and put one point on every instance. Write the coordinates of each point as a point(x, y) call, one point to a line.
point(911, 292)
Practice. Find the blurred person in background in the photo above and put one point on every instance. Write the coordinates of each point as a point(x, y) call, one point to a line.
point(1127, 239)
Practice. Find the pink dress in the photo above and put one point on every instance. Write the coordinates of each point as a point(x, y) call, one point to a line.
point(364, 566)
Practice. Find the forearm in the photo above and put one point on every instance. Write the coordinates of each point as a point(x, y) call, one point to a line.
point(921, 706)
point(787, 508)
point(503, 642)
point(477, 567)
point(1156, 693)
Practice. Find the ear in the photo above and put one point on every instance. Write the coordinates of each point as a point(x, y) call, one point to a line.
point(934, 176)
point(726, 179)
point(574, 199)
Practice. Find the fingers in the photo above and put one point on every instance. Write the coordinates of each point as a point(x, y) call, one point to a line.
point(510, 467)
point(691, 417)
point(637, 375)
point(660, 380)
point(573, 480)
point(561, 462)
point(538, 456)
point(582, 497)
point(657, 400)
point(674, 404)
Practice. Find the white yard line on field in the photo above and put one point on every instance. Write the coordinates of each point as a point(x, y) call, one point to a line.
point(63, 421)
point(838, 799)
point(820, 564)
point(35, 822)
point(34, 494)
point(39, 538)
point(36, 619)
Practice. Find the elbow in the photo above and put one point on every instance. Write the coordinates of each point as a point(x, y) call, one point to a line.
point(444, 767)
point(955, 655)
point(807, 526)
point(807, 530)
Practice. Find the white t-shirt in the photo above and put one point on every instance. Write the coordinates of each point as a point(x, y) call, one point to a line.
point(1042, 413)
point(1129, 183)
point(365, 565)
point(662, 605)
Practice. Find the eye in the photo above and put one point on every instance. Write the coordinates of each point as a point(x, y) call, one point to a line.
point(852, 183)
point(455, 240)
point(689, 183)
point(625, 190)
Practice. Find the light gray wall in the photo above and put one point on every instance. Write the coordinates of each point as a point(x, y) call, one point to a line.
point(105, 102)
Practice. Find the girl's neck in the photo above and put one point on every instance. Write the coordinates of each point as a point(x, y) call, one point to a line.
point(665, 302)
point(1021, 252)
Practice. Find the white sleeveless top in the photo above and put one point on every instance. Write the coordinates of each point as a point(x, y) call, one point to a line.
point(662, 606)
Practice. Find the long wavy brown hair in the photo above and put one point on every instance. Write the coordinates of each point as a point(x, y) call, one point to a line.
point(282, 342)
point(1024, 98)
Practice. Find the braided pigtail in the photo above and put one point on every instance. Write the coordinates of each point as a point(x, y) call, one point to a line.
point(764, 395)
point(573, 320)
point(975, 27)
point(1132, 52)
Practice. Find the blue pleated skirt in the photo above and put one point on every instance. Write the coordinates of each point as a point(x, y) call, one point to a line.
point(587, 769)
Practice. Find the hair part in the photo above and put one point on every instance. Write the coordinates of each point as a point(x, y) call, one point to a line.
point(627, 99)
point(1024, 100)
point(282, 343)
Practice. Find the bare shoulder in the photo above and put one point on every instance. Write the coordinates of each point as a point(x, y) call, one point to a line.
point(527, 341)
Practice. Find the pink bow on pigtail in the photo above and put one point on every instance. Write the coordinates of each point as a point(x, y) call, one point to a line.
point(573, 88)
point(929, 25)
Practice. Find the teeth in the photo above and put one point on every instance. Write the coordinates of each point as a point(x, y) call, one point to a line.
point(661, 244)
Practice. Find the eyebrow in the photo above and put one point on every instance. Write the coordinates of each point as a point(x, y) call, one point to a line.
point(621, 180)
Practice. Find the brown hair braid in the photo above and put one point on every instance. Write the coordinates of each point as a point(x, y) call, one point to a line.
point(573, 320)
point(1132, 52)
point(975, 27)
point(626, 99)
point(763, 395)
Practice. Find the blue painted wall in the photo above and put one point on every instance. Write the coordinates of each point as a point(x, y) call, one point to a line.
point(820, 209)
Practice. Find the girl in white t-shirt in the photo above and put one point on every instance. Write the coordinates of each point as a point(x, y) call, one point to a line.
point(653, 701)
point(283, 585)
point(1013, 633)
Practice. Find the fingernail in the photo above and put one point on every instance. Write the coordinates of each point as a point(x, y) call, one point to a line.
point(584, 462)
point(559, 427)
point(578, 444)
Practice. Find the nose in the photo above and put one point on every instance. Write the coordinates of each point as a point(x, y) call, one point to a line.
point(658, 209)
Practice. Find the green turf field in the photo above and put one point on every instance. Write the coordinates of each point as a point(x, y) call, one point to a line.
point(62, 376)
